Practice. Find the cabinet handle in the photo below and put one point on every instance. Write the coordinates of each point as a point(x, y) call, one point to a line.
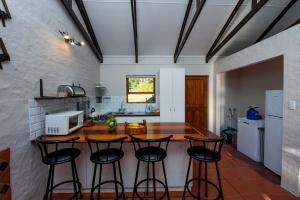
point(170, 109)
point(174, 109)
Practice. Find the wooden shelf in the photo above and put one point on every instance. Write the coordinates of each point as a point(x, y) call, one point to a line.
point(53, 97)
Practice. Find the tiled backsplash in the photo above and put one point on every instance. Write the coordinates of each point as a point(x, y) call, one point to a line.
point(113, 103)
point(38, 109)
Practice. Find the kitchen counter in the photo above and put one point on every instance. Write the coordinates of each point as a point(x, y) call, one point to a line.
point(176, 161)
point(154, 130)
point(134, 114)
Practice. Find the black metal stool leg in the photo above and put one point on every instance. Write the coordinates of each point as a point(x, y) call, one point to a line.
point(154, 184)
point(48, 183)
point(115, 180)
point(135, 181)
point(121, 178)
point(166, 182)
point(52, 180)
point(74, 178)
point(199, 179)
point(187, 178)
point(206, 179)
point(99, 188)
point(93, 182)
point(147, 189)
point(77, 179)
point(219, 179)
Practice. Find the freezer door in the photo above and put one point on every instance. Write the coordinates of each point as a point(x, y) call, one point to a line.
point(274, 102)
point(273, 144)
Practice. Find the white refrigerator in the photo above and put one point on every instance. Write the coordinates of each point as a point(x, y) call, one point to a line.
point(273, 130)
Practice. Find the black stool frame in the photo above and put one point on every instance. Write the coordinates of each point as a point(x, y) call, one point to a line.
point(137, 144)
point(96, 150)
point(43, 146)
point(210, 153)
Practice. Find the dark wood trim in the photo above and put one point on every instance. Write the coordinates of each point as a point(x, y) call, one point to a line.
point(200, 5)
point(4, 56)
point(81, 29)
point(186, 16)
point(134, 25)
point(236, 29)
point(253, 4)
point(230, 18)
point(276, 20)
point(88, 24)
point(6, 9)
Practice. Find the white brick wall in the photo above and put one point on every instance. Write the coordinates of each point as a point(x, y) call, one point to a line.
point(37, 51)
point(38, 109)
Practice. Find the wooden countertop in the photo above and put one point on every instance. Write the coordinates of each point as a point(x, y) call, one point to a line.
point(154, 130)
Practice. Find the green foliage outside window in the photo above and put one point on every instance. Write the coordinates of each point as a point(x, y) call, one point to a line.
point(141, 89)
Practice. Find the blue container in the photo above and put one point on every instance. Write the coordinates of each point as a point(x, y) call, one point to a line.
point(252, 113)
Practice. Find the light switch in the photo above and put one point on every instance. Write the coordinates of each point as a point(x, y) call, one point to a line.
point(292, 105)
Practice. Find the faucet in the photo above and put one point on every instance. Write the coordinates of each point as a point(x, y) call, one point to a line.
point(122, 109)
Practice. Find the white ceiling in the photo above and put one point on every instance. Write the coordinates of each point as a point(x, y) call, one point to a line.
point(159, 23)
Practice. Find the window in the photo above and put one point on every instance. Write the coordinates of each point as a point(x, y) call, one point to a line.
point(140, 89)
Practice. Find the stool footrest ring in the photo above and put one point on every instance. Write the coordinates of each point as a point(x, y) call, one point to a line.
point(151, 179)
point(209, 183)
point(108, 181)
point(64, 182)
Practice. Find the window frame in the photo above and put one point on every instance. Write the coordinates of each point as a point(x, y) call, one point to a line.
point(141, 76)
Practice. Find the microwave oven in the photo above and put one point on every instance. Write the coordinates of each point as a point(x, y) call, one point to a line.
point(63, 123)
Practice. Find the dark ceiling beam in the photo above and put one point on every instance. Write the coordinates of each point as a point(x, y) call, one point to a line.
point(134, 25)
point(78, 24)
point(186, 16)
point(200, 5)
point(293, 24)
point(88, 24)
point(236, 29)
point(233, 13)
point(276, 20)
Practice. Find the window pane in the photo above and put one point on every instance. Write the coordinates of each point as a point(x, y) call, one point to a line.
point(141, 98)
point(140, 84)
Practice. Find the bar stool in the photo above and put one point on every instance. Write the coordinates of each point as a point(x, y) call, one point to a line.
point(56, 157)
point(147, 151)
point(108, 155)
point(209, 152)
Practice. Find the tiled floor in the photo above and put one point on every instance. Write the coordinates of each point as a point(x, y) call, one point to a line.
point(244, 179)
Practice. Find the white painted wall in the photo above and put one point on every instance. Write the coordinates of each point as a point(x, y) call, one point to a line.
point(37, 51)
point(115, 68)
point(286, 43)
point(247, 86)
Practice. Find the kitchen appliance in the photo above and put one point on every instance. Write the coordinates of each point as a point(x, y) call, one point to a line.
point(273, 130)
point(63, 123)
point(70, 91)
point(250, 138)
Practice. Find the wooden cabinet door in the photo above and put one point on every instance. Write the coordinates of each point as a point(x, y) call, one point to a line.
point(196, 94)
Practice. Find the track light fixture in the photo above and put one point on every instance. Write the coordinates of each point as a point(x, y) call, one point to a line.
point(70, 39)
